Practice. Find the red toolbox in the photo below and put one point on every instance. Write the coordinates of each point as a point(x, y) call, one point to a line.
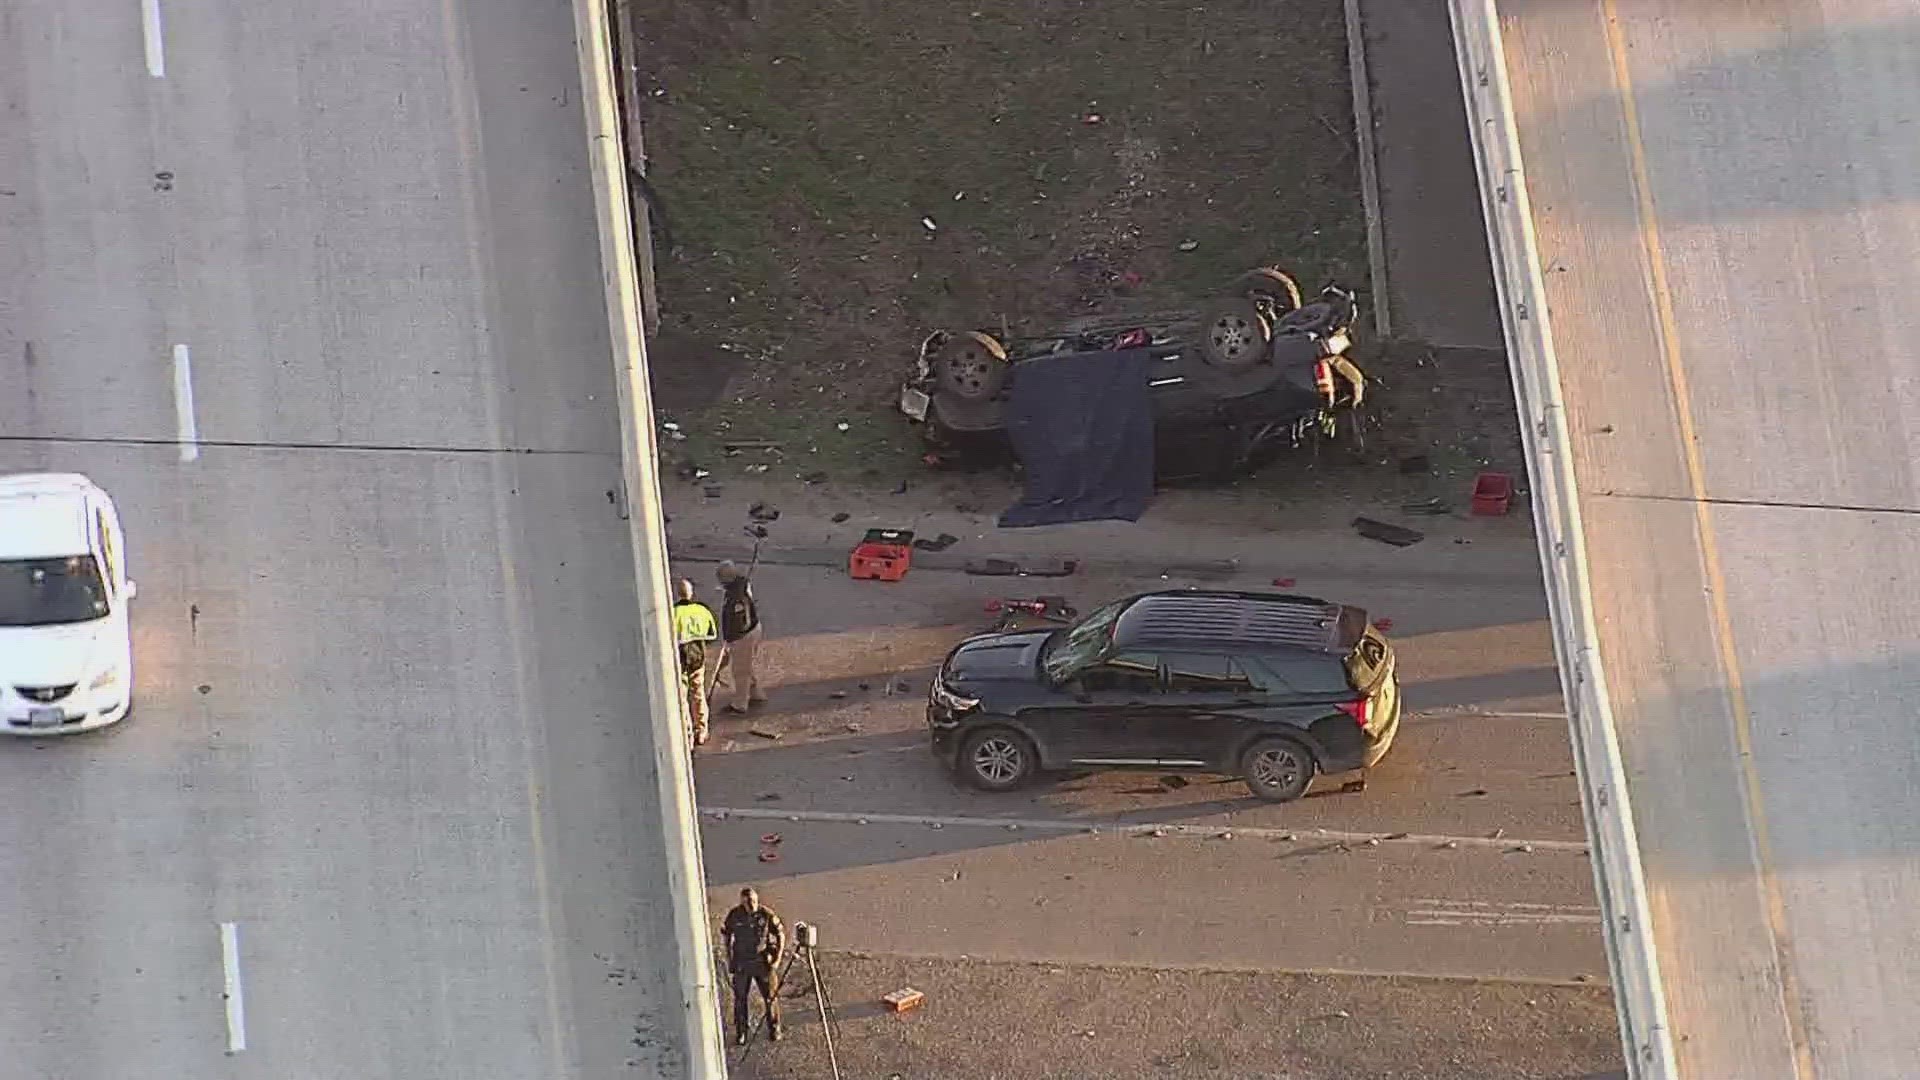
point(1492, 492)
point(882, 555)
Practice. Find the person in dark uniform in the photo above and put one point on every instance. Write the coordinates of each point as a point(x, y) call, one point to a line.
point(755, 940)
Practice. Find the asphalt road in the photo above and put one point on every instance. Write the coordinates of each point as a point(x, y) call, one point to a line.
point(388, 721)
point(1464, 857)
point(1724, 196)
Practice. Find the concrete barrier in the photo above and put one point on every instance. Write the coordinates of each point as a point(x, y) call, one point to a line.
point(1638, 993)
point(701, 1049)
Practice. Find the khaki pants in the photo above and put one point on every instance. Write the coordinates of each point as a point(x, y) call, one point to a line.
point(736, 667)
point(695, 685)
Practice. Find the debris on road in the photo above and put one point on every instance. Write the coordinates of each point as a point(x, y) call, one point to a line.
point(903, 1000)
point(1434, 507)
point(882, 555)
point(840, 517)
point(1492, 494)
point(1010, 568)
point(763, 512)
point(938, 543)
point(1396, 535)
point(763, 733)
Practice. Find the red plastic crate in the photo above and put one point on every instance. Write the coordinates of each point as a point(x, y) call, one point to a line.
point(882, 555)
point(1492, 493)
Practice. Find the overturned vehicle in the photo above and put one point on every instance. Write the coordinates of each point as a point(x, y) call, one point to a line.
point(1253, 370)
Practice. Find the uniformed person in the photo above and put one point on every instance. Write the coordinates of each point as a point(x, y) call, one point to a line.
point(755, 940)
point(740, 638)
point(694, 630)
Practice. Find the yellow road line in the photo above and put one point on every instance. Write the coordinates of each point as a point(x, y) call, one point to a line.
point(1709, 550)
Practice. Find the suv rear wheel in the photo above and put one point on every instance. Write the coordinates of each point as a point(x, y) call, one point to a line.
point(997, 759)
point(1277, 770)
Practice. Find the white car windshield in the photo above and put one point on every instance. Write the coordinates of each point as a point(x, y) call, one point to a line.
point(51, 592)
point(1081, 644)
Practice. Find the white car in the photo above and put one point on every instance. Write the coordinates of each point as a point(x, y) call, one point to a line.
point(66, 657)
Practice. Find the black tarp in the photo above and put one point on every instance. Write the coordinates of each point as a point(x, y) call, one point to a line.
point(1082, 427)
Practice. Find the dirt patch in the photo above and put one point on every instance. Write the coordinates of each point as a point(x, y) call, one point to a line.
point(841, 176)
point(1035, 1020)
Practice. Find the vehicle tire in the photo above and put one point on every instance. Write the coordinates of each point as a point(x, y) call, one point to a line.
point(997, 759)
point(1234, 335)
point(971, 366)
point(1269, 281)
point(1277, 770)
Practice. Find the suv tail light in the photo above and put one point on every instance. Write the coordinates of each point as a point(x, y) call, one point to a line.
point(1359, 710)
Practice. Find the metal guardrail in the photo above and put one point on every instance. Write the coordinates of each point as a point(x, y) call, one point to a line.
point(696, 1032)
point(1631, 954)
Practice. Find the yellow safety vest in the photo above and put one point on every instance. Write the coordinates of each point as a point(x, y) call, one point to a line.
point(693, 622)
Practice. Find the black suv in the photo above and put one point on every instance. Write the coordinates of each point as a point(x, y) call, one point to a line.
point(1267, 687)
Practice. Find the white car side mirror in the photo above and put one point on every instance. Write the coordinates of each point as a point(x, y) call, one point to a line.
point(133, 588)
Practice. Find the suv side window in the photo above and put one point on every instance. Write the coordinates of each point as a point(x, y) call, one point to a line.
point(1128, 672)
point(1200, 673)
point(1310, 673)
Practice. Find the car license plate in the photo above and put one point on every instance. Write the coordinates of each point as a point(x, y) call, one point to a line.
point(46, 717)
point(914, 402)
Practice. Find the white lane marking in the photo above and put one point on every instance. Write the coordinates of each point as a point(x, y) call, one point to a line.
point(1255, 832)
point(1441, 912)
point(236, 1008)
point(188, 431)
point(156, 46)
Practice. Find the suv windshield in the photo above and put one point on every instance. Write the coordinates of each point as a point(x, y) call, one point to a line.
point(49, 592)
point(1080, 644)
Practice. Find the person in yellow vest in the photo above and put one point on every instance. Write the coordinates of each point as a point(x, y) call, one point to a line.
point(694, 631)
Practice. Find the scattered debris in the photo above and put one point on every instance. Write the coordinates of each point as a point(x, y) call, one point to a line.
point(938, 543)
point(882, 555)
point(1492, 493)
point(769, 856)
point(713, 491)
point(762, 512)
point(767, 796)
point(772, 838)
point(1476, 792)
point(1433, 506)
point(901, 488)
point(843, 426)
point(1173, 783)
point(1387, 534)
point(840, 517)
point(1283, 583)
point(903, 1000)
point(854, 729)
point(1415, 464)
point(1523, 849)
point(1010, 568)
point(734, 446)
point(1188, 245)
point(205, 688)
point(817, 476)
point(763, 733)
point(930, 226)
point(838, 695)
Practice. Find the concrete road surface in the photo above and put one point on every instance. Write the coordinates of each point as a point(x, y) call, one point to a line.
point(314, 291)
point(1464, 857)
point(1727, 201)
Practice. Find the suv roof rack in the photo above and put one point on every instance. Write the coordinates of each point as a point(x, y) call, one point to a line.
point(1241, 619)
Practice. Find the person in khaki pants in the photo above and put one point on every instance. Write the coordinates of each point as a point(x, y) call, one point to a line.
point(694, 631)
point(740, 640)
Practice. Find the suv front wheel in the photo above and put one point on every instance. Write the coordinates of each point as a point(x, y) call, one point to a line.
point(1277, 770)
point(996, 759)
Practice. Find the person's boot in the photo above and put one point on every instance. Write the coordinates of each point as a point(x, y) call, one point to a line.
point(740, 1037)
point(773, 1033)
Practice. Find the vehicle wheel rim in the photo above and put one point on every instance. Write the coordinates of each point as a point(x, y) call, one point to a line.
point(997, 760)
point(1276, 768)
point(1232, 336)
